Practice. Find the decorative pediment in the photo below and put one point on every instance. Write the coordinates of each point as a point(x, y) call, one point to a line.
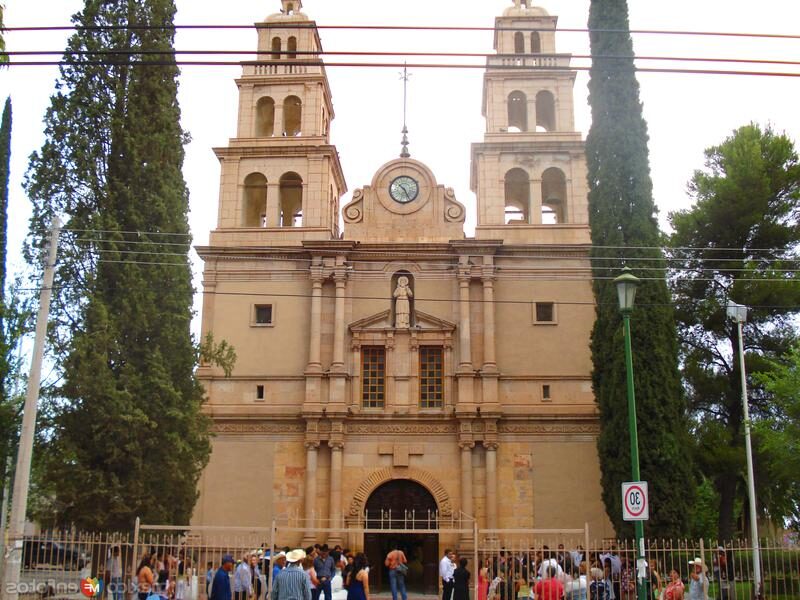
point(382, 321)
point(378, 321)
point(430, 322)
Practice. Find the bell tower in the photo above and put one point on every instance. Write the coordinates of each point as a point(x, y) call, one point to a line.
point(281, 177)
point(529, 173)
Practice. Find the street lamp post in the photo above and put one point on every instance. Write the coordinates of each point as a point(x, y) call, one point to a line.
point(738, 314)
point(626, 292)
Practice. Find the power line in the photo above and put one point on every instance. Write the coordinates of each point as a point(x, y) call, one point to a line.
point(176, 52)
point(450, 300)
point(171, 27)
point(404, 244)
point(531, 276)
point(397, 65)
point(442, 266)
point(132, 232)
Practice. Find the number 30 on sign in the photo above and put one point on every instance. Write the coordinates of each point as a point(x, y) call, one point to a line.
point(635, 503)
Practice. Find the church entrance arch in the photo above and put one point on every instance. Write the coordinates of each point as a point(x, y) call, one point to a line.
point(397, 505)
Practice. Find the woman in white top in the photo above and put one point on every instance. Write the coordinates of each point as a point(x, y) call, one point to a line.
point(575, 588)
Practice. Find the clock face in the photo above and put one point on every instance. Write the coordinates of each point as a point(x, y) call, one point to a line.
point(404, 189)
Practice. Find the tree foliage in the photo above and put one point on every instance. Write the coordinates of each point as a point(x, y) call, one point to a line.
point(779, 433)
point(126, 433)
point(3, 59)
point(738, 242)
point(622, 216)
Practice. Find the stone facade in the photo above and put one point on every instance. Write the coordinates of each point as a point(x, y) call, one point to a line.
point(474, 380)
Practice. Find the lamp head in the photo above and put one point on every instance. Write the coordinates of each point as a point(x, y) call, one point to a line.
point(737, 312)
point(626, 289)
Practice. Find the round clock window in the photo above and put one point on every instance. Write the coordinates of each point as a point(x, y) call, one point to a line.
point(404, 189)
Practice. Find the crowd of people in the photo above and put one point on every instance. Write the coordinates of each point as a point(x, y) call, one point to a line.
point(571, 575)
point(310, 573)
point(292, 574)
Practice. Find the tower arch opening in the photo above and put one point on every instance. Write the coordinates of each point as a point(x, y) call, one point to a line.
point(519, 43)
point(554, 196)
point(276, 48)
point(291, 200)
point(545, 111)
point(536, 43)
point(254, 213)
point(265, 117)
point(517, 111)
point(292, 115)
point(517, 197)
point(291, 47)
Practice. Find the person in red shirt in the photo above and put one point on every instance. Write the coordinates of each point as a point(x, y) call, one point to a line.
point(549, 588)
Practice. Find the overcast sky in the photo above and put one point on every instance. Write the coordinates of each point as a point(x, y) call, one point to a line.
point(685, 113)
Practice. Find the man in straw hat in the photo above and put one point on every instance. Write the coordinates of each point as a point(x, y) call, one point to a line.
point(292, 583)
point(698, 581)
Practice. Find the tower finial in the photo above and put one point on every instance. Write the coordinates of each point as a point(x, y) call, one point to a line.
point(404, 153)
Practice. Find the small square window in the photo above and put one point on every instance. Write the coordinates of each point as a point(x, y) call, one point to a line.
point(546, 393)
point(544, 313)
point(262, 314)
point(259, 392)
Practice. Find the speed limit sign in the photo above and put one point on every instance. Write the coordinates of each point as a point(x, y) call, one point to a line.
point(635, 504)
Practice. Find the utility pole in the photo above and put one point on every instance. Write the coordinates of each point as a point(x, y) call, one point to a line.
point(22, 476)
point(738, 314)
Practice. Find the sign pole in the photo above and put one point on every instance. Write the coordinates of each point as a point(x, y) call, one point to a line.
point(641, 591)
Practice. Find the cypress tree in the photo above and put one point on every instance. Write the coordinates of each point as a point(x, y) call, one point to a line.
point(7, 409)
point(128, 437)
point(622, 217)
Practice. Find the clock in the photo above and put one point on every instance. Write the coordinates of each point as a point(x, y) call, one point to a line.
point(404, 189)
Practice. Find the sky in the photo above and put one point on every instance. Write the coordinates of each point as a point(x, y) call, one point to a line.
point(686, 113)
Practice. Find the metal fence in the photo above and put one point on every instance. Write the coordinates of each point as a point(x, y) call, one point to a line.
point(55, 563)
point(521, 557)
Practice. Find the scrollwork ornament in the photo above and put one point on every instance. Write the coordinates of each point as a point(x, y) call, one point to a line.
point(353, 212)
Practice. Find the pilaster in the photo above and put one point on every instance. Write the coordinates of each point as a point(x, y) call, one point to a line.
point(312, 450)
point(337, 450)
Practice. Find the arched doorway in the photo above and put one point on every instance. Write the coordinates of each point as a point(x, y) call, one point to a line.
point(397, 505)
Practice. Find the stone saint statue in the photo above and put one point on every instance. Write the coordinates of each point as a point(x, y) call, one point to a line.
point(402, 306)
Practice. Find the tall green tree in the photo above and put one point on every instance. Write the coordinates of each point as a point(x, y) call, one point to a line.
point(624, 230)
point(3, 59)
point(7, 408)
point(127, 437)
point(738, 242)
point(779, 433)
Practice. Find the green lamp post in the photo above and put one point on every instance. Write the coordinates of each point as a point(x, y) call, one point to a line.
point(626, 293)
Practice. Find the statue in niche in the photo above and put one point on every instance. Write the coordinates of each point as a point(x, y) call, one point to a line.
point(402, 306)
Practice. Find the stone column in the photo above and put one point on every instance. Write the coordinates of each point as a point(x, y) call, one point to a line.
point(536, 202)
point(466, 489)
point(487, 277)
point(465, 351)
point(340, 277)
point(336, 493)
point(312, 449)
point(273, 208)
point(491, 484)
point(314, 362)
point(466, 477)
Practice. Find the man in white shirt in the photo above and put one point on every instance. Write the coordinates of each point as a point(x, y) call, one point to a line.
point(446, 568)
point(243, 580)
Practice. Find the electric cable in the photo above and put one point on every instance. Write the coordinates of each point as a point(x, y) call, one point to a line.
point(176, 52)
point(398, 65)
point(454, 300)
point(313, 25)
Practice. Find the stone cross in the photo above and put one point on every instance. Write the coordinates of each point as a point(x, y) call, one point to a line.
point(400, 452)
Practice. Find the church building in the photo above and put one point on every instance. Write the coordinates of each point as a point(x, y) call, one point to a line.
point(393, 363)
